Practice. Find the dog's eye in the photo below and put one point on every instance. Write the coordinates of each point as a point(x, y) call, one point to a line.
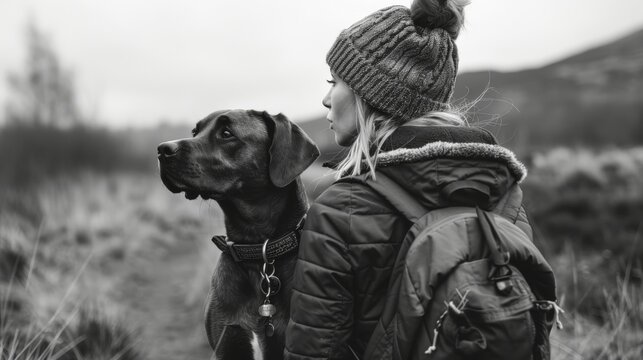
point(225, 133)
point(194, 132)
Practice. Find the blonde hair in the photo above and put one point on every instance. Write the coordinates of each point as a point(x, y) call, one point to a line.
point(374, 128)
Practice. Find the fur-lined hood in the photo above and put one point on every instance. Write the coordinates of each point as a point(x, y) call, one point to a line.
point(455, 151)
point(423, 160)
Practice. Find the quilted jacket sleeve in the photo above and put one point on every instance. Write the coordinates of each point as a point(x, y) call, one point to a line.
point(321, 315)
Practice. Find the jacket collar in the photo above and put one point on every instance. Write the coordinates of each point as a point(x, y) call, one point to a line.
point(458, 151)
point(411, 137)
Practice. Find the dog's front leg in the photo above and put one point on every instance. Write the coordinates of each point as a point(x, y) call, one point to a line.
point(223, 306)
point(233, 343)
point(230, 342)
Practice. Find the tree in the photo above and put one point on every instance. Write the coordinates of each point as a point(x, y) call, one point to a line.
point(43, 92)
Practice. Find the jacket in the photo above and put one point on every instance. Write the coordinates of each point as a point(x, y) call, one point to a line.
point(352, 235)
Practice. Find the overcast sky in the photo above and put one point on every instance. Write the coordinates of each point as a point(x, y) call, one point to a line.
point(137, 62)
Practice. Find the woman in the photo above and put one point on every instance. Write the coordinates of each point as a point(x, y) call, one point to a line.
point(393, 75)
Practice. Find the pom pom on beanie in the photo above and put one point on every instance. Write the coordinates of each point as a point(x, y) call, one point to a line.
point(439, 14)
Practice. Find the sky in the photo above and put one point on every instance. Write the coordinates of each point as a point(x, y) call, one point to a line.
point(139, 62)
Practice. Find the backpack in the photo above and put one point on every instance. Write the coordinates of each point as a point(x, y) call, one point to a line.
point(466, 284)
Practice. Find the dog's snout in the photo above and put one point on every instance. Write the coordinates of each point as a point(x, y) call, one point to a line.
point(168, 148)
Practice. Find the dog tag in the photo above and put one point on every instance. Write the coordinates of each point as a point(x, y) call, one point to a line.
point(267, 310)
point(269, 329)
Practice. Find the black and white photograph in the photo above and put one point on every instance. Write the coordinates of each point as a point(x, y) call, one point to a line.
point(339, 180)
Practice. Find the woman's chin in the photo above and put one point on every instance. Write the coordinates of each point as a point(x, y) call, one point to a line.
point(344, 141)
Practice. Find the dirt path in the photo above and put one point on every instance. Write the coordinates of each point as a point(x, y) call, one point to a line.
point(164, 295)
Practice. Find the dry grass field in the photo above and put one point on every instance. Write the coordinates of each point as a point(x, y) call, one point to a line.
point(113, 266)
point(118, 255)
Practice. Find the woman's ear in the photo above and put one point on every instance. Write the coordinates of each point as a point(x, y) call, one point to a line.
point(291, 151)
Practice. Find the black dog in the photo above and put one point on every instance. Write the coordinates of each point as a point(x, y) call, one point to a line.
point(249, 162)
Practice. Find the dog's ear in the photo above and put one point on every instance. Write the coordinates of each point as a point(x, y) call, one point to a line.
point(291, 151)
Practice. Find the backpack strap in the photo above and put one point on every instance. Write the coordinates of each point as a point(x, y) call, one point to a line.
point(401, 200)
point(500, 271)
point(492, 239)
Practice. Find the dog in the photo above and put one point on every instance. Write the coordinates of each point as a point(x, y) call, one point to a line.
point(249, 162)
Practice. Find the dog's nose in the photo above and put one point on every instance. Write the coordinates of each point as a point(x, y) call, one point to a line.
point(168, 148)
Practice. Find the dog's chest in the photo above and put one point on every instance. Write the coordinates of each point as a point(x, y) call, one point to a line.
point(237, 296)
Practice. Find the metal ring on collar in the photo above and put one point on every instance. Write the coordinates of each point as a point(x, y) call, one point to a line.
point(264, 271)
point(264, 252)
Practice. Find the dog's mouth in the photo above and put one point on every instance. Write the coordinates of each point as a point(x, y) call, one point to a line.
point(176, 187)
point(191, 195)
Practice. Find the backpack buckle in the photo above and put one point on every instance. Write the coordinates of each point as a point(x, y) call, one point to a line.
point(501, 276)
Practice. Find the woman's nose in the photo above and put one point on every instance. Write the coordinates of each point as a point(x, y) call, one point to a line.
point(326, 100)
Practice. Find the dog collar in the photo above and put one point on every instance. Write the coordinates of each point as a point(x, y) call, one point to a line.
point(250, 252)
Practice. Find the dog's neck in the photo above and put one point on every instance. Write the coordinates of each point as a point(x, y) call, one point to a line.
point(255, 218)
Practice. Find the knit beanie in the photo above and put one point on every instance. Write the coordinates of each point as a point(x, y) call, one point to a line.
point(402, 62)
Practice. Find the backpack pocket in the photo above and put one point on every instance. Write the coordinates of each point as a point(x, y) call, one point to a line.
point(480, 322)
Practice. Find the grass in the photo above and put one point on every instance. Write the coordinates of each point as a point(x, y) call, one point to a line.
point(619, 335)
point(72, 252)
point(83, 334)
point(615, 339)
point(88, 336)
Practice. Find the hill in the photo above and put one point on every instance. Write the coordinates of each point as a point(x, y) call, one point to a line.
point(592, 99)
